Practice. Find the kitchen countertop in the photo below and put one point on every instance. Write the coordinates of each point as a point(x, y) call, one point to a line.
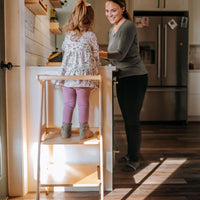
point(107, 67)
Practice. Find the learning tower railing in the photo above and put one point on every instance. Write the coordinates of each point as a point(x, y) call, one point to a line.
point(92, 174)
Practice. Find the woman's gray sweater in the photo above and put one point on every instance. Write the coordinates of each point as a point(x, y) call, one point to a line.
point(123, 50)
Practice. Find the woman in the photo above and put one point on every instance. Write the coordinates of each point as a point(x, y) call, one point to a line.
point(132, 76)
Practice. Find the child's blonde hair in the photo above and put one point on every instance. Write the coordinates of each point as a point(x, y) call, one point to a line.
point(81, 19)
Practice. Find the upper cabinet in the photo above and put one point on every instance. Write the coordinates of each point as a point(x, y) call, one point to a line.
point(160, 5)
point(176, 5)
point(146, 4)
point(194, 25)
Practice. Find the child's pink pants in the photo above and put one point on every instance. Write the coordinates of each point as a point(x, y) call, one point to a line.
point(70, 94)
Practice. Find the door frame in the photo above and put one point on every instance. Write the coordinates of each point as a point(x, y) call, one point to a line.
point(3, 138)
point(16, 97)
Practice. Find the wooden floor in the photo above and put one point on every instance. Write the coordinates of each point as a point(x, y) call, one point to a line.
point(170, 166)
point(170, 163)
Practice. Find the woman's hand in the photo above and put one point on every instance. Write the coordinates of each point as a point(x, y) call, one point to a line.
point(103, 54)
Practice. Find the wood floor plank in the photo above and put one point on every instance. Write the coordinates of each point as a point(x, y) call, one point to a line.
point(118, 194)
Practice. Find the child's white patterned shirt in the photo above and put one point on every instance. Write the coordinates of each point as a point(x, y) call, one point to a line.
point(81, 57)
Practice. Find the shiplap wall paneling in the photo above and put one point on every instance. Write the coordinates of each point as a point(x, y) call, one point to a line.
point(40, 42)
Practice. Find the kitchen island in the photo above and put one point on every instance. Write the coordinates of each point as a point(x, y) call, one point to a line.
point(70, 154)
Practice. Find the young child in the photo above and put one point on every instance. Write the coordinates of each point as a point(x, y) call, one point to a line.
point(81, 56)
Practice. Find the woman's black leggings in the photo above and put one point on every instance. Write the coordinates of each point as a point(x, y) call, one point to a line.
point(130, 93)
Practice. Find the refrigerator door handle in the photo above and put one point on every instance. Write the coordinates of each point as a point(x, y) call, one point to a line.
point(165, 65)
point(159, 50)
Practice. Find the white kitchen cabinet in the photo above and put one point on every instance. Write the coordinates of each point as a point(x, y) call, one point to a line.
point(176, 5)
point(194, 95)
point(146, 5)
point(194, 25)
point(160, 5)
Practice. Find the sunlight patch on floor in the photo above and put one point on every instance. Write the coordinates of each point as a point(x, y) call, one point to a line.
point(117, 194)
point(160, 176)
point(144, 172)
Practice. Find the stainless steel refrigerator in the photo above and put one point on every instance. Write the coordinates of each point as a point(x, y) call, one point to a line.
point(163, 44)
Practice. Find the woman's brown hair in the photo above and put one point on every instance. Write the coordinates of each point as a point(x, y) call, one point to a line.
point(122, 3)
point(81, 18)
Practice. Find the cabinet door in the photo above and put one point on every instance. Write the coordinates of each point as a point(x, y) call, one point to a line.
point(175, 5)
point(194, 94)
point(194, 25)
point(170, 5)
point(146, 5)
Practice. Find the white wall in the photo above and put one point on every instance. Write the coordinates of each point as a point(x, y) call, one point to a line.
point(63, 15)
